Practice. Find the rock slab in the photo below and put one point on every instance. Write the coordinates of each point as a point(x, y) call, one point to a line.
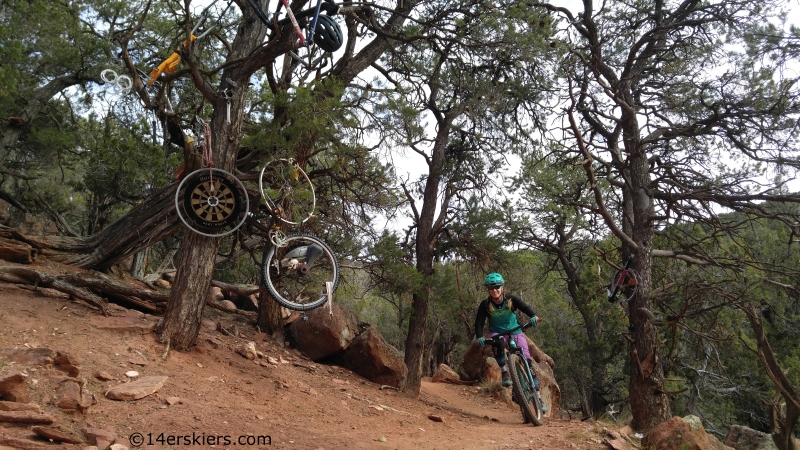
point(136, 389)
point(56, 434)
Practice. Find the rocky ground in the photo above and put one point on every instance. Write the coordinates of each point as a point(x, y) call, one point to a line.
point(213, 397)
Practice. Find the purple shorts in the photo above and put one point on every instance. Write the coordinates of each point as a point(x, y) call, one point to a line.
point(520, 340)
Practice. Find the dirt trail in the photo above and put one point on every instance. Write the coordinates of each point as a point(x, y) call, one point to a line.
point(297, 403)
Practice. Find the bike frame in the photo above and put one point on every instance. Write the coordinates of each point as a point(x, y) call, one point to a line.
point(510, 347)
point(612, 297)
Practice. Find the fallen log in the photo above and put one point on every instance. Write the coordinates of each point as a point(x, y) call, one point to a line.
point(82, 284)
point(43, 279)
point(233, 291)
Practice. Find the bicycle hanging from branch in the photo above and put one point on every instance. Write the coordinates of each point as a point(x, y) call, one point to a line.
point(623, 278)
point(300, 271)
point(323, 30)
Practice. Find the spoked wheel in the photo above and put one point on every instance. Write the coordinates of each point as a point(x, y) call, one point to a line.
point(287, 191)
point(296, 271)
point(524, 393)
point(212, 202)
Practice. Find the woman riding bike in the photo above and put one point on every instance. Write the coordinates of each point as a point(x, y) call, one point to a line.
point(500, 309)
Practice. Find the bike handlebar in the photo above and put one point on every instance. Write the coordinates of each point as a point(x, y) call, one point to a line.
point(508, 333)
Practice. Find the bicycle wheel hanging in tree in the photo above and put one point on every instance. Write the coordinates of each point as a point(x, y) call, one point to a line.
point(524, 393)
point(212, 202)
point(287, 191)
point(295, 272)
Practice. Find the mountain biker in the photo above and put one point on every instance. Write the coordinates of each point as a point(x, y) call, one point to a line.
point(500, 309)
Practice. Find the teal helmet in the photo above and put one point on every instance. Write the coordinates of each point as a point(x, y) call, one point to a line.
point(494, 279)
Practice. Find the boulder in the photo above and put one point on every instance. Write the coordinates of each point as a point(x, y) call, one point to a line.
point(71, 394)
point(320, 334)
point(248, 350)
point(25, 417)
point(371, 357)
point(444, 374)
point(743, 438)
point(13, 389)
point(14, 406)
point(33, 225)
point(472, 366)
point(684, 433)
point(68, 363)
point(491, 370)
point(215, 294)
point(616, 440)
point(227, 305)
point(716, 444)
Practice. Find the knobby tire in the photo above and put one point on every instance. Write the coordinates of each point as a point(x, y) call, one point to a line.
point(525, 395)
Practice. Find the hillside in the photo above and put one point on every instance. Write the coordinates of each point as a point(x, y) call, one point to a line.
point(213, 391)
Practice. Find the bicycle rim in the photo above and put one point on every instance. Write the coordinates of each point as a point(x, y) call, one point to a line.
point(287, 191)
point(524, 393)
point(294, 282)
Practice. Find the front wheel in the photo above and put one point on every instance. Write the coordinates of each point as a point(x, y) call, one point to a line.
point(524, 392)
point(297, 271)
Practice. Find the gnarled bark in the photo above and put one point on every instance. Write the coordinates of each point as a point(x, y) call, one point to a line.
point(149, 223)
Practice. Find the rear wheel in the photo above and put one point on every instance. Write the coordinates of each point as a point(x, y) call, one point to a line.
point(524, 393)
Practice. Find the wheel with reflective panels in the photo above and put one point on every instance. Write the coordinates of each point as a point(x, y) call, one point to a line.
point(295, 274)
point(212, 202)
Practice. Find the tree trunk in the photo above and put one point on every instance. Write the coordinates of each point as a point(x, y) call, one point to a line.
point(784, 418)
point(648, 400)
point(139, 264)
point(415, 343)
point(181, 322)
point(270, 313)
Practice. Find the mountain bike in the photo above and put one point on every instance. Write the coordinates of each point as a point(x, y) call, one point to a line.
point(623, 278)
point(300, 271)
point(524, 384)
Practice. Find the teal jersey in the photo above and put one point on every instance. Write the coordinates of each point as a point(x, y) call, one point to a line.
point(501, 317)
